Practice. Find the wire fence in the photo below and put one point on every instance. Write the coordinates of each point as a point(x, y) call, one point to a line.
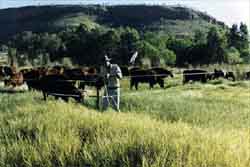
point(101, 76)
point(103, 94)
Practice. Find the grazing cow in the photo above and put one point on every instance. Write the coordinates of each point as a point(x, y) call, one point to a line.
point(142, 76)
point(218, 74)
point(58, 86)
point(248, 75)
point(230, 76)
point(195, 75)
point(161, 73)
point(32, 78)
point(210, 76)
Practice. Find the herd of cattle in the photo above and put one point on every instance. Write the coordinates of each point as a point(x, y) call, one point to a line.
point(56, 81)
point(157, 75)
point(65, 82)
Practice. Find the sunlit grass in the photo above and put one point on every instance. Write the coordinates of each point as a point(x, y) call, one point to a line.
point(207, 105)
point(197, 124)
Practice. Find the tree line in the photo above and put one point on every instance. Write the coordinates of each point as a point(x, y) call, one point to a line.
point(86, 46)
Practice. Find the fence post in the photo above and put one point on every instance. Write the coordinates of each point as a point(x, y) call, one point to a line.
point(97, 98)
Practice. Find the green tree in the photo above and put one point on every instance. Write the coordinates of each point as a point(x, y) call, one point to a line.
point(148, 51)
point(234, 37)
point(239, 39)
point(156, 40)
point(180, 47)
point(216, 45)
point(128, 44)
point(12, 52)
point(244, 36)
point(168, 57)
point(200, 37)
point(233, 56)
point(110, 42)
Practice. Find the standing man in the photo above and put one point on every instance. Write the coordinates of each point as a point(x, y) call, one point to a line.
point(112, 87)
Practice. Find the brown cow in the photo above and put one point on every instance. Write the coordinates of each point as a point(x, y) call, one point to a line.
point(16, 79)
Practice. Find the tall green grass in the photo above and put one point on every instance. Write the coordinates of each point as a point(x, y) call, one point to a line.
point(182, 126)
point(223, 104)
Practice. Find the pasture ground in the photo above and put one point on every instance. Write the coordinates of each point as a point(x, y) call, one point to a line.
point(203, 125)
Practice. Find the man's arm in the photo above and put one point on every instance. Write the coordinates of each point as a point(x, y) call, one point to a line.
point(118, 72)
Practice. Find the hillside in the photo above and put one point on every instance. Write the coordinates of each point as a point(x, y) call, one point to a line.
point(170, 19)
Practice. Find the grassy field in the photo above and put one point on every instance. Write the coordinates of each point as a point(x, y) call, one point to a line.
point(196, 125)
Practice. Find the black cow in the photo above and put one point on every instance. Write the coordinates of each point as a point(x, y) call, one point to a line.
point(195, 75)
point(5, 71)
point(230, 76)
point(32, 78)
point(218, 74)
point(248, 75)
point(94, 80)
point(58, 86)
point(142, 76)
point(161, 74)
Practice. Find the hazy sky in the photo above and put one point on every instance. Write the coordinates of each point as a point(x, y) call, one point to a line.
point(229, 11)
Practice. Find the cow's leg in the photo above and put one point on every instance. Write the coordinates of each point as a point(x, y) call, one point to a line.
point(131, 84)
point(81, 99)
point(136, 85)
point(29, 87)
point(184, 81)
point(82, 85)
point(77, 99)
point(66, 99)
point(151, 85)
point(161, 83)
point(204, 80)
point(44, 96)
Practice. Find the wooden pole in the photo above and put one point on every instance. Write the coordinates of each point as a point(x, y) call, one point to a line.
point(97, 98)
